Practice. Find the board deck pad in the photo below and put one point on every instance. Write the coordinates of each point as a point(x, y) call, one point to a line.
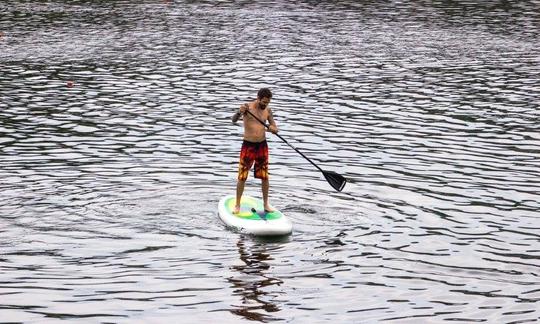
point(247, 204)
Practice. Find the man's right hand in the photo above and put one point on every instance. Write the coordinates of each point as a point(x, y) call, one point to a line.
point(244, 108)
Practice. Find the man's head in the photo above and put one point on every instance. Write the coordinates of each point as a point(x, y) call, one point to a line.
point(264, 95)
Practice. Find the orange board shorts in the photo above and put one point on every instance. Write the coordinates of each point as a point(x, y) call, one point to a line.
point(253, 153)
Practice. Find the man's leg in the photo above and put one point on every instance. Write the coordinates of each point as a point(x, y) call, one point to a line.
point(244, 165)
point(261, 170)
point(265, 184)
point(239, 191)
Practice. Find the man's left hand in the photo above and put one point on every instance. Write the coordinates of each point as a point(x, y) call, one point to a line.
point(273, 129)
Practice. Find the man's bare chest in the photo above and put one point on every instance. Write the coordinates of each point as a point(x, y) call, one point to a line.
point(260, 114)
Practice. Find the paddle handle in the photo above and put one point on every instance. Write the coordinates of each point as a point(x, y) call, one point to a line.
point(281, 138)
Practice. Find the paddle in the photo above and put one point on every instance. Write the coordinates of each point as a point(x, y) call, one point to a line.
point(337, 181)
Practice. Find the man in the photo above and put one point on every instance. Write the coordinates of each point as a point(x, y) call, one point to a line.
point(254, 148)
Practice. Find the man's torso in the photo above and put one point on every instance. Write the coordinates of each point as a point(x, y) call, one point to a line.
point(254, 131)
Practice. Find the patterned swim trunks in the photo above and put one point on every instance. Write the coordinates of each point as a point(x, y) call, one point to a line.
point(253, 153)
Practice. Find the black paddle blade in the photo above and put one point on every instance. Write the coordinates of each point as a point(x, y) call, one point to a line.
point(337, 181)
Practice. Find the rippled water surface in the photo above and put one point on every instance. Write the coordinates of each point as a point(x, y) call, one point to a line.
point(116, 145)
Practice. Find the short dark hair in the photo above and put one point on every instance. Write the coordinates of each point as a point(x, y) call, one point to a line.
point(264, 93)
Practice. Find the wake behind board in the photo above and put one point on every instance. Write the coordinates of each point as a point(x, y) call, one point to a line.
point(252, 218)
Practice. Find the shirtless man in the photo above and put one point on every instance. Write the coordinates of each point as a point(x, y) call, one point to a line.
point(254, 147)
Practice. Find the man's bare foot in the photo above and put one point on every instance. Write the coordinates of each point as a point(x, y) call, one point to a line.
point(268, 209)
point(236, 210)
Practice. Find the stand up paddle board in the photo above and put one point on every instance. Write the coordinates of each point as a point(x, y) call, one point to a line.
point(252, 218)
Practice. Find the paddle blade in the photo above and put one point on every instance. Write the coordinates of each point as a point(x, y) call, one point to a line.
point(337, 181)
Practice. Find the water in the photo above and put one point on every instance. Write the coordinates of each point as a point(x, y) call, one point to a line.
point(109, 187)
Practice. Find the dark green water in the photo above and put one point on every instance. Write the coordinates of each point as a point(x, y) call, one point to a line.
point(109, 188)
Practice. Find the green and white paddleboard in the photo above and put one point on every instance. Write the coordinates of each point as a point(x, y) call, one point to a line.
point(252, 218)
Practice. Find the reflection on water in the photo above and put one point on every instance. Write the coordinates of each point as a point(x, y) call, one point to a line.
point(253, 281)
point(110, 183)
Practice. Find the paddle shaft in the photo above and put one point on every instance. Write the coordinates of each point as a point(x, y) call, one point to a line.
point(281, 138)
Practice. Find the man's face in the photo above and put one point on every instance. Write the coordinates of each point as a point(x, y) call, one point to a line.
point(263, 103)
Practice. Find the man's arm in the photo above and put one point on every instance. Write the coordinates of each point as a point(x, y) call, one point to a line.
point(235, 117)
point(240, 113)
point(271, 123)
